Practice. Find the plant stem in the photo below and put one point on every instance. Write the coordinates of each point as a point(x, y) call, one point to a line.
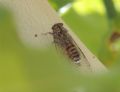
point(110, 9)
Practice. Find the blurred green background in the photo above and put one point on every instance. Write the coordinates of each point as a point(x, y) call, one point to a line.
point(24, 69)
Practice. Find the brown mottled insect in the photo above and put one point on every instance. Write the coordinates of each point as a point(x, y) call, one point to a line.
point(65, 41)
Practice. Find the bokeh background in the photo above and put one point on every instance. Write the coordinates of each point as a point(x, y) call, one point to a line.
point(96, 22)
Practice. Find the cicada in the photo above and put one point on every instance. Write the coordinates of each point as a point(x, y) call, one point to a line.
point(63, 40)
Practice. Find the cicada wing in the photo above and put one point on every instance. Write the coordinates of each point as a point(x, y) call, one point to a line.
point(60, 46)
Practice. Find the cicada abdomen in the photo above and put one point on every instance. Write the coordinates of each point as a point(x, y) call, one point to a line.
point(72, 52)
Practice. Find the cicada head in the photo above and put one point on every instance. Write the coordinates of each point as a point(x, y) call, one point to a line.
point(57, 28)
